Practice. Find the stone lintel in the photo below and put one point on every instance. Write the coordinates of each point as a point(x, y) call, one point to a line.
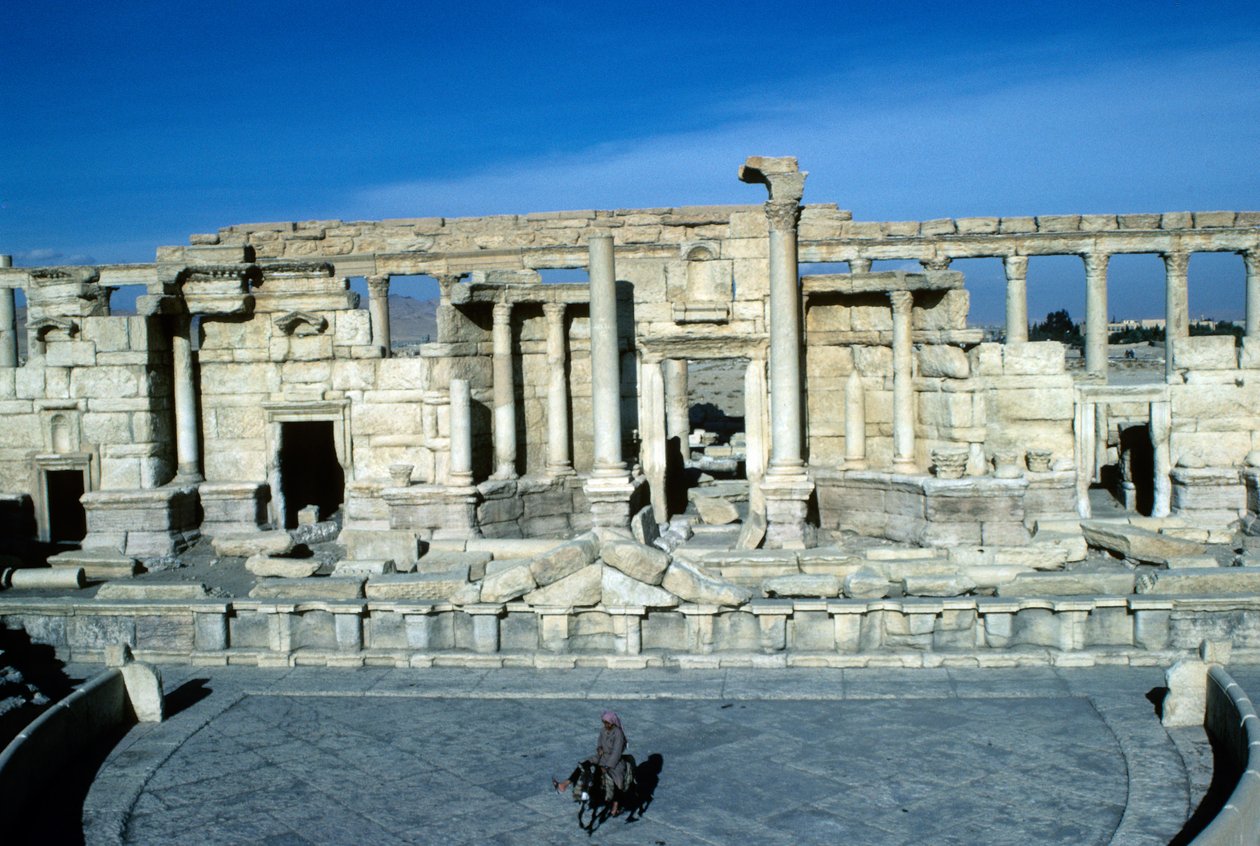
point(880, 282)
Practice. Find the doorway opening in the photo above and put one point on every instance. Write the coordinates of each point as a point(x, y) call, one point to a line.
point(310, 473)
point(67, 521)
point(716, 449)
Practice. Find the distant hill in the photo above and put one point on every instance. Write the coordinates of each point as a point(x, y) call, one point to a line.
point(411, 321)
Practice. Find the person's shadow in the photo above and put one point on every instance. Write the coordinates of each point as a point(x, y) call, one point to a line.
point(647, 775)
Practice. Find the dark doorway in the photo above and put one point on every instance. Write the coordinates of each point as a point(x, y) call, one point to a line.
point(66, 518)
point(310, 473)
point(1137, 457)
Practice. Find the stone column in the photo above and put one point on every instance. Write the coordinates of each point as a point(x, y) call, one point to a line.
point(1160, 430)
point(460, 472)
point(1096, 314)
point(445, 311)
point(559, 461)
point(854, 422)
point(652, 430)
point(1176, 304)
point(504, 395)
point(756, 427)
point(1016, 298)
point(903, 382)
point(677, 410)
point(609, 488)
point(605, 360)
point(187, 446)
point(1251, 260)
point(378, 311)
point(8, 322)
point(859, 265)
point(787, 488)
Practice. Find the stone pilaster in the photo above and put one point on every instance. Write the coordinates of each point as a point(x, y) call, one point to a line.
point(187, 444)
point(1176, 304)
point(1096, 314)
point(786, 487)
point(903, 382)
point(378, 311)
point(1016, 298)
point(1251, 260)
point(559, 461)
point(504, 395)
point(609, 488)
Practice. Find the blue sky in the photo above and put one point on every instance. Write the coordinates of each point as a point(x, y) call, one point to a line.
point(133, 124)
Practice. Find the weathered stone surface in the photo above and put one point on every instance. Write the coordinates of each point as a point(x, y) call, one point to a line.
point(373, 545)
point(580, 588)
point(1193, 562)
point(715, 511)
point(1207, 580)
point(416, 585)
point(563, 561)
point(152, 590)
point(644, 527)
point(1072, 583)
point(245, 544)
point(619, 590)
point(443, 561)
point(644, 563)
point(937, 585)
point(866, 583)
point(285, 568)
point(690, 585)
point(938, 360)
point(363, 568)
point(1138, 544)
point(507, 584)
point(802, 584)
point(1186, 700)
point(333, 587)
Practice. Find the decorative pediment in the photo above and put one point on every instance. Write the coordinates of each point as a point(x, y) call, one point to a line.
point(45, 325)
point(302, 323)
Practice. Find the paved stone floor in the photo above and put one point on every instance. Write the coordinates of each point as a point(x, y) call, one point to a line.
point(945, 756)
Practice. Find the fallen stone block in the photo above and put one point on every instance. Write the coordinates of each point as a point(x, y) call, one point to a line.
point(644, 563)
point(937, 585)
point(753, 532)
point(1069, 584)
point(97, 564)
point(1186, 700)
point(564, 560)
point(644, 527)
point(690, 585)
point(363, 568)
point(1193, 562)
point(867, 583)
point(246, 544)
point(443, 561)
point(715, 511)
point(43, 578)
point(1138, 544)
point(620, 590)
point(896, 553)
point(1036, 557)
point(417, 585)
point(803, 585)
point(1073, 544)
point(1208, 580)
point(262, 564)
point(333, 587)
point(581, 588)
point(376, 544)
point(507, 584)
point(152, 590)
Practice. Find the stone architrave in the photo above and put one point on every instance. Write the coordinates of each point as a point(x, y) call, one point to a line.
point(1016, 298)
point(1096, 313)
point(378, 311)
point(504, 394)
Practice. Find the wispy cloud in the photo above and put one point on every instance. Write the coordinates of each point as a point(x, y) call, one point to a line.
point(47, 256)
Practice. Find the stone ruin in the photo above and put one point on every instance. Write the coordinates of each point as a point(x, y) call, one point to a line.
point(530, 483)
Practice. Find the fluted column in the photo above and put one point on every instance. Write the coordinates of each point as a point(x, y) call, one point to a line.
point(903, 382)
point(559, 462)
point(854, 422)
point(187, 445)
point(1176, 304)
point(1096, 313)
point(8, 322)
point(460, 470)
point(1251, 260)
point(504, 394)
point(1016, 298)
point(859, 265)
point(605, 359)
point(378, 311)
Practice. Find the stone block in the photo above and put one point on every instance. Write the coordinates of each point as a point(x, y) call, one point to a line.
point(1033, 358)
point(1206, 352)
point(433, 586)
point(333, 587)
point(154, 591)
point(644, 563)
point(938, 360)
point(715, 511)
point(562, 561)
point(944, 584)
point(577, 589)
point(507, 584)
point(1186, 700)
point(803, 585)
point(246, 544)
point(1138, 544)
point(690, 585)
point(262, 564)
point(1207, 580)
point(364, 569)
point(620, 590)
point(402, 547)
point(867, 583)
point(1074, 583)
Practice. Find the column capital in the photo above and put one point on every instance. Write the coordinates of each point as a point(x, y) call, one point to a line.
point(1015, 265)
point(554, 311)
point(1096, 262)
point(859, 265)
point(378, 284)
point(1251, 256)
point(783, 214)
point(902, 301)
point(935, 263)
point(502, 312)
point(1176, 261)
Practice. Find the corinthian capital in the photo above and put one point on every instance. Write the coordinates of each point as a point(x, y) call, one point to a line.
point(783, 214)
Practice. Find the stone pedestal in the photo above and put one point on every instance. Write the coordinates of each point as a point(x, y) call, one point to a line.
point(1215, 497)
point(233, 507)
point(787, 512)
point(609, 500)
point(142, 523)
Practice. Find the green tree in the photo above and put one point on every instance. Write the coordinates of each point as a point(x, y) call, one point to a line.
point(1058, 326)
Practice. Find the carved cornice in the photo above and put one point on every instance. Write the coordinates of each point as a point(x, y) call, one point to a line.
point(298, 268)
point(218, 273)
point(288, 323)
